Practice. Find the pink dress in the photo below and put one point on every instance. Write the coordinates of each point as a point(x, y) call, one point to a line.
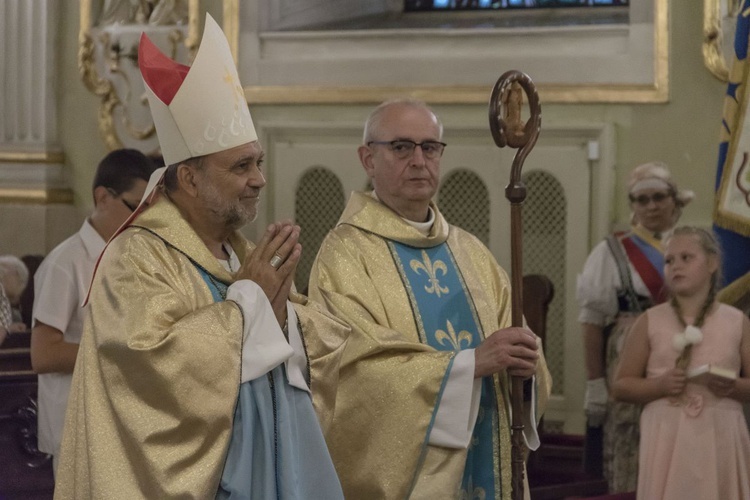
point(697, 446)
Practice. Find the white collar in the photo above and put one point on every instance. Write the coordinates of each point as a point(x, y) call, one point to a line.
point(231, 265)
point(422, 227)
point(92, 240)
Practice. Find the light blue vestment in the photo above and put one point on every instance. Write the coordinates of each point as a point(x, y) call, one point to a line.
point(277, 450)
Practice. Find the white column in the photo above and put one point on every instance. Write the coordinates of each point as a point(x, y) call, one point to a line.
point(27, 64)
point(32, 185)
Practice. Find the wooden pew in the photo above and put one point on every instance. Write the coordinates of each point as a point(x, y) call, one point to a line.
point(25, 472)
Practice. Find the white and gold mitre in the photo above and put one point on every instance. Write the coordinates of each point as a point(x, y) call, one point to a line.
point(198, 109)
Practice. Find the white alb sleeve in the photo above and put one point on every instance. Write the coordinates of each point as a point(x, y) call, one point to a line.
point(264, 346)
point(296, 365)
point(459, 405)
point(530, 431)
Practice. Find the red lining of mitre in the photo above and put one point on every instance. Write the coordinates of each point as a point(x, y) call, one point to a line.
point(163, 75)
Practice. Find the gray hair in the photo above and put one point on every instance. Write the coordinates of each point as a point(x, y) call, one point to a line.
point(12, 264)
point(372, 125)
point(170, 175)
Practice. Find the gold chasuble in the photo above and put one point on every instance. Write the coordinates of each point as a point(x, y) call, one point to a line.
point(396, 360)
point(158, 371)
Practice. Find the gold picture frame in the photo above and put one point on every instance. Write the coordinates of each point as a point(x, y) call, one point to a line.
point(656, 91)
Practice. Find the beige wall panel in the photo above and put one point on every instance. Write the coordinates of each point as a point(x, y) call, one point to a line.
point(36, 229)
point(295, 147)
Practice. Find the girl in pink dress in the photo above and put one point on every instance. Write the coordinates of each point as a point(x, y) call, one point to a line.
point(694, 438)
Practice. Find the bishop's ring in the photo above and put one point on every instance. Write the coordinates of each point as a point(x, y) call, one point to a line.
point(276, 261)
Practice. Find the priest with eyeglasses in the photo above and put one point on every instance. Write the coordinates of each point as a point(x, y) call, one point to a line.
point(422, 407)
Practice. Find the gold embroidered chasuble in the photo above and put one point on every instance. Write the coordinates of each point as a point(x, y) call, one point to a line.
point(390, 381)
point(158, 370)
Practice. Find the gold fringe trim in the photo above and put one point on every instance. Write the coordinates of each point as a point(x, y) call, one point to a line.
point(732, 223)
point(733, 114)
point(736, 291)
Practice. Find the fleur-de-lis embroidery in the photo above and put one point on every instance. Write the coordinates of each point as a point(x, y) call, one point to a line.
point(431, 269)
point(472, 493)
point(453, 339)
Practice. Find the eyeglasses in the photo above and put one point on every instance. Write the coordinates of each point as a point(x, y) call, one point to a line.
point(404, 148)
point(645, 199)
point(125, 202)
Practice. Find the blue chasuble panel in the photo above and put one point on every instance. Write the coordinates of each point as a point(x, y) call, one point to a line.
point(447, 321)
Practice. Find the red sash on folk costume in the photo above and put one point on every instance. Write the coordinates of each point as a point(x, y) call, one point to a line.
point(650, 275)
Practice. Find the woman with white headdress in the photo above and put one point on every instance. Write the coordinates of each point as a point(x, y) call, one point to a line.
point(623, 276)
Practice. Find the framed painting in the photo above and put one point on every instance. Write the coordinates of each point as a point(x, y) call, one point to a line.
point(337, 51)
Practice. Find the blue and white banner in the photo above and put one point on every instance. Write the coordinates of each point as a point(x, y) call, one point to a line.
point(732, 208)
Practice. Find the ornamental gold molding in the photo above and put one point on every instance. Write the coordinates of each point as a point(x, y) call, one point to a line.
point(55, 157)
point(35, 196)
point(194, 30)
point(231, 12)
point(88, 40)
point(737, 293)
point(455, 94)
point(713, 50)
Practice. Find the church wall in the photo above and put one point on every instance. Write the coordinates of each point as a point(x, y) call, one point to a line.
point(683, 132)
point(79, 132)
